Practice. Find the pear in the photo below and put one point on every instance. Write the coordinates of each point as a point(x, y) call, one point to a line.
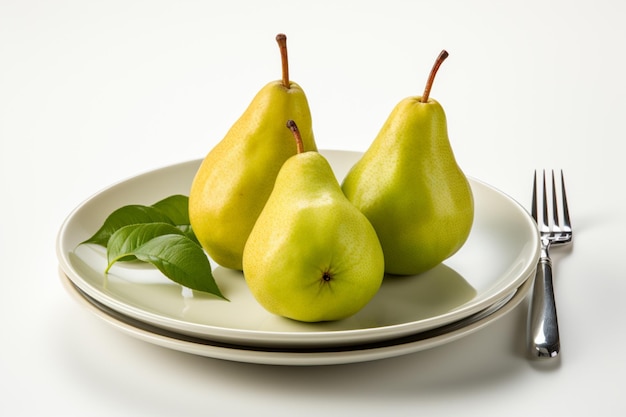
point(312, 256)
point(236, 177)
point(410, 187)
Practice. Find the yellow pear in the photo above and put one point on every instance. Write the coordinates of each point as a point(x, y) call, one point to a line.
point(312, 256)
point(236, 177)
point(410, 187)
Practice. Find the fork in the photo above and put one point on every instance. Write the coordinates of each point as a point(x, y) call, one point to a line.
point(554, 230)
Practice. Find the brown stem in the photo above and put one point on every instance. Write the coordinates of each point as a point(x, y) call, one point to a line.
point(296, 134)
point(442, 56)
point(281, 38)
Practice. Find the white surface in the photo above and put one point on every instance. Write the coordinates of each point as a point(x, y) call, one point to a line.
point(499, 255)
point(94, 92)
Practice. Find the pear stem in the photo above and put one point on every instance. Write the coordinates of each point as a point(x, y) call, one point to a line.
point(281, 38)
point(442, 56)
point(291, 125)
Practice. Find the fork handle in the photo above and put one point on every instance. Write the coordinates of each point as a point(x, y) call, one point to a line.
point(543, 325)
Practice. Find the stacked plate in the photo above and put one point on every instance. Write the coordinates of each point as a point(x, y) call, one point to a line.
point(485, 280)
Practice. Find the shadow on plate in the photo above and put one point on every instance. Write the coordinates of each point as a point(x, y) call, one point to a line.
point(401, 299)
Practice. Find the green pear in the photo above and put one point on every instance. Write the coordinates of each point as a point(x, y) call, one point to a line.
point(236, 177)
point(312, 256)
point(410, 187)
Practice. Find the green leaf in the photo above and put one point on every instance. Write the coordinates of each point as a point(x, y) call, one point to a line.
point(181, 260)
point(131, 214)
point(188, 231)
point(176, 207)
point(124, 241)
point(160, 234)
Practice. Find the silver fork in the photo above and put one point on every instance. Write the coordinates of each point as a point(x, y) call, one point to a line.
point(554, 229)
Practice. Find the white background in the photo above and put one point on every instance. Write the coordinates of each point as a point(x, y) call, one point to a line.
point(93, 92)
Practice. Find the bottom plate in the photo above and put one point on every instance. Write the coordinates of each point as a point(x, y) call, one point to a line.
point(298, 356)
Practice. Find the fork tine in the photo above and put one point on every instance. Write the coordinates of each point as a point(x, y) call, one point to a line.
point(534, 200)
point(567, 226)
point(544, 217)
point(555, 206)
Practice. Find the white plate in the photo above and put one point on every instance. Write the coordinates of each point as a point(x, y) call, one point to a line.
point(500, 254)
point(331, 355)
